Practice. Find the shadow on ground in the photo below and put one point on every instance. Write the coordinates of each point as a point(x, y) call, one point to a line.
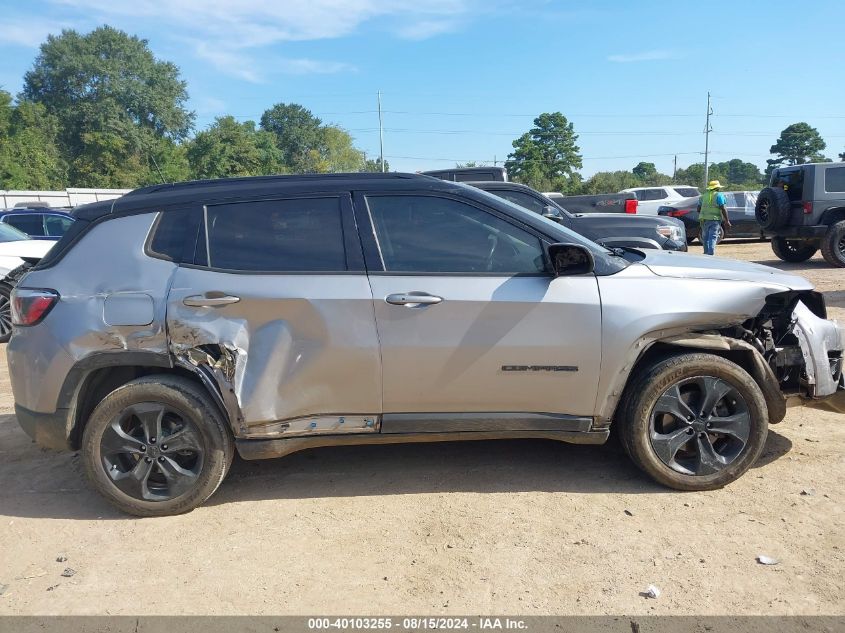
point(45, 484)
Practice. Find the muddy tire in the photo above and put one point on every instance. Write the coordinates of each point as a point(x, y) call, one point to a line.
point(833, 245)
point(5, 312)
point(792, 250)
point(156, 446)
point(772, 208)
point(723, 439)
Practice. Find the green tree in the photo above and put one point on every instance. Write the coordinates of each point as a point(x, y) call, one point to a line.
point(29, 153)
point(842, 156)
point(229, 148)
point(609, 182)
point(333, 153)
point(113, 101)
point(738, 172)
point(799, 143)
point(374, 165)
point(297, 134)
point(645, 171)
point(547, 156)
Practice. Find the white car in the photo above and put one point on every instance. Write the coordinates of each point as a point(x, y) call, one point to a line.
point(15, 249)
point(650, 198)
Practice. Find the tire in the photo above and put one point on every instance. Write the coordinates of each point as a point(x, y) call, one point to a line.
point(139, 473)
point(772, 208)
point(833, 244)
point(792, 250)
point(5, 312)
point(649, 435)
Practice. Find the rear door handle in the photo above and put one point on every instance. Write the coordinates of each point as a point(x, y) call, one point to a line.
point(412, 299)
point(210, 300)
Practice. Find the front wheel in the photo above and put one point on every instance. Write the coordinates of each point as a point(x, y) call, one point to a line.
point(694, 421)
point(156, 446)
point(793, 251)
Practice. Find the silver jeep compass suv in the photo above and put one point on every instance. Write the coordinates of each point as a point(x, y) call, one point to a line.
point(182, 322)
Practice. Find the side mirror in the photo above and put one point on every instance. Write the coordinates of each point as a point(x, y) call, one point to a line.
point(552, 213)
point(571, 259)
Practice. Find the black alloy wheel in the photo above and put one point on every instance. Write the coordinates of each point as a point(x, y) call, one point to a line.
point(699, 425)
point(152, 451)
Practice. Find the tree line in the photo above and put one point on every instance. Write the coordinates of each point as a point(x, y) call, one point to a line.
point(548, 158)
point(99, 110)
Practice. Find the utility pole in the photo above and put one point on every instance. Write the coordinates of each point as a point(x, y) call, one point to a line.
point(494, 160)
point(675, 168)
point(707, 130)
point(381, 133)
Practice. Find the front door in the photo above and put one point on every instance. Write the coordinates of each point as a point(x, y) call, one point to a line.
point(276, 305)
point(469, 318)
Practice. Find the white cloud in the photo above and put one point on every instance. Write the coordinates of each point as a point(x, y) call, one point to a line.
point(645, 56)
point(28, 32)
point(226, 30)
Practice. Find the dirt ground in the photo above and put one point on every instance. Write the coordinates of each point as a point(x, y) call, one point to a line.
point(518, 527)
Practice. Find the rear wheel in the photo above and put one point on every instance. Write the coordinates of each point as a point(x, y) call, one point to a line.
point(792, 250)
point(5, 312)
point(833, 245)
point(694, 421)
point(156, 446)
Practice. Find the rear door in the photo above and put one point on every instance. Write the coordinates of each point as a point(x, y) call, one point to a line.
point(30, 223)
point(275, 303)
point(473, 328)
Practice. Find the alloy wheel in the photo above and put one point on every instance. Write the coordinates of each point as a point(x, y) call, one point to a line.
point(5, 315)
point(699, 425)
point(153, 452)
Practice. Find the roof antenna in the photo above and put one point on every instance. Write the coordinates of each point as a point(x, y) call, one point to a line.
point(160, 175)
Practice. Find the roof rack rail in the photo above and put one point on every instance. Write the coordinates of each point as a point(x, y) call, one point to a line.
point(287, 178)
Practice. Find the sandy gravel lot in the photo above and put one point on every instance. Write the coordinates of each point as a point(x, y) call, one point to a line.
point(519, 527)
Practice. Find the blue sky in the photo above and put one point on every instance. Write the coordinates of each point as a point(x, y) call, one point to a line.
point(460, 79)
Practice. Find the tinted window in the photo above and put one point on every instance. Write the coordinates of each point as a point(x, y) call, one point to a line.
point(641, 194)
point(655, 194)
point(301, 235)
point(56, 225)
point(522, 199)
point(171, 232)
point(834, 179)
point(10, 234)
point(687, 192)
point(792, 180)
point(437, 235)
point(29, 223)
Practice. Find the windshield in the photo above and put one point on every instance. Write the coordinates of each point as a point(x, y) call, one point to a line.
point(11, 234)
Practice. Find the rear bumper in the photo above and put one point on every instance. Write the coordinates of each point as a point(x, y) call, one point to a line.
point(49, 430)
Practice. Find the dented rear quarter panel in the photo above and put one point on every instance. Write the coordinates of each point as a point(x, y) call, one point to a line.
point(41, 357)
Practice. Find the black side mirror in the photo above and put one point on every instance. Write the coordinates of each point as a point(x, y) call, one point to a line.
point(552, 213)
point(571, 259)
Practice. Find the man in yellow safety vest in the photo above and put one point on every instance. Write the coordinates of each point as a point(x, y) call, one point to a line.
point(711, 214)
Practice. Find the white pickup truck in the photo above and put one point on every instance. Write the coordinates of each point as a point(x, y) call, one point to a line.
point(650, 198)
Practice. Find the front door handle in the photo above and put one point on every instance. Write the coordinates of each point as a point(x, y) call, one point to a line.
point(412, 299)
point(210, 300)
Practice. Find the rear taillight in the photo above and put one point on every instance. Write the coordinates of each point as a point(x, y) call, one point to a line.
point(808, 208)
point(679, 213)
point(30, 306)
point(631, 206)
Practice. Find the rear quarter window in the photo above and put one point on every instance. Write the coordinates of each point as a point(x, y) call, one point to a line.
point(834, 179)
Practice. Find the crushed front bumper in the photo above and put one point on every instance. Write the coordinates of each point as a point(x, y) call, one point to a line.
point(822, 343)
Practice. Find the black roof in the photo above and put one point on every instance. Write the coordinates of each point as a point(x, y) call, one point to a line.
point(219, 190)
